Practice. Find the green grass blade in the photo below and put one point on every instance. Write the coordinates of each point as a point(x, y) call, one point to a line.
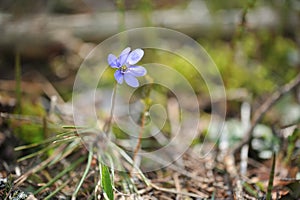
point(57, 190)
point(70, 148)
point(46, 141)
point(18, 77)
point(272, 173)
point(88, 165)
point(130, 161)
point(112, 167)
point(64, 139)
point(248, 188)
point(73, 127)
point(39, 152)
point(106, 182)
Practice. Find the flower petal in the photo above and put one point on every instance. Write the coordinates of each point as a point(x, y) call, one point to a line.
point(112, 61)
point(119, 76)
point(137, 70)
point(123, 56)
point(135, 56)
point(131, 80)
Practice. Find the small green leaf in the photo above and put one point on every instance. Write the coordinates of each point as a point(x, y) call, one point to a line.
point(106, 183)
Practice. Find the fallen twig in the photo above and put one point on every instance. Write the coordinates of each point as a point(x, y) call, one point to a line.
point(177, 185)
point(167, 190)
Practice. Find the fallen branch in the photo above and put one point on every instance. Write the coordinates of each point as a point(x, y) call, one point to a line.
point(259, 113)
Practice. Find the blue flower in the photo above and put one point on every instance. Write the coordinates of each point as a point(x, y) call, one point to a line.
point(126, 68)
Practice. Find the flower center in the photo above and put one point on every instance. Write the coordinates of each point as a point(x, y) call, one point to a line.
point(123, 69)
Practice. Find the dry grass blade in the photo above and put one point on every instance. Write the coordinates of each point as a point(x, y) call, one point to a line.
point(188, 194)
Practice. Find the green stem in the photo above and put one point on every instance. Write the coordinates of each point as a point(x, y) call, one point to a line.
point(147, 104)
point(18, 82)
point(122, 26)
point(45, 127)
point(121, 9)
point(107, 125)
point(272, 173)
point(138, 146)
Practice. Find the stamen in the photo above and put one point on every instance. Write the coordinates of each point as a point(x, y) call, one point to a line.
point(123, 68)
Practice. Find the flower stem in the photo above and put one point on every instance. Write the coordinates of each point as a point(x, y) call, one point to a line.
point(107, 125)
point(147, 104)
point(138, 146)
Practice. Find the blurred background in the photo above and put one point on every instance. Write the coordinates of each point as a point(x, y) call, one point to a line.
point(248, 40)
